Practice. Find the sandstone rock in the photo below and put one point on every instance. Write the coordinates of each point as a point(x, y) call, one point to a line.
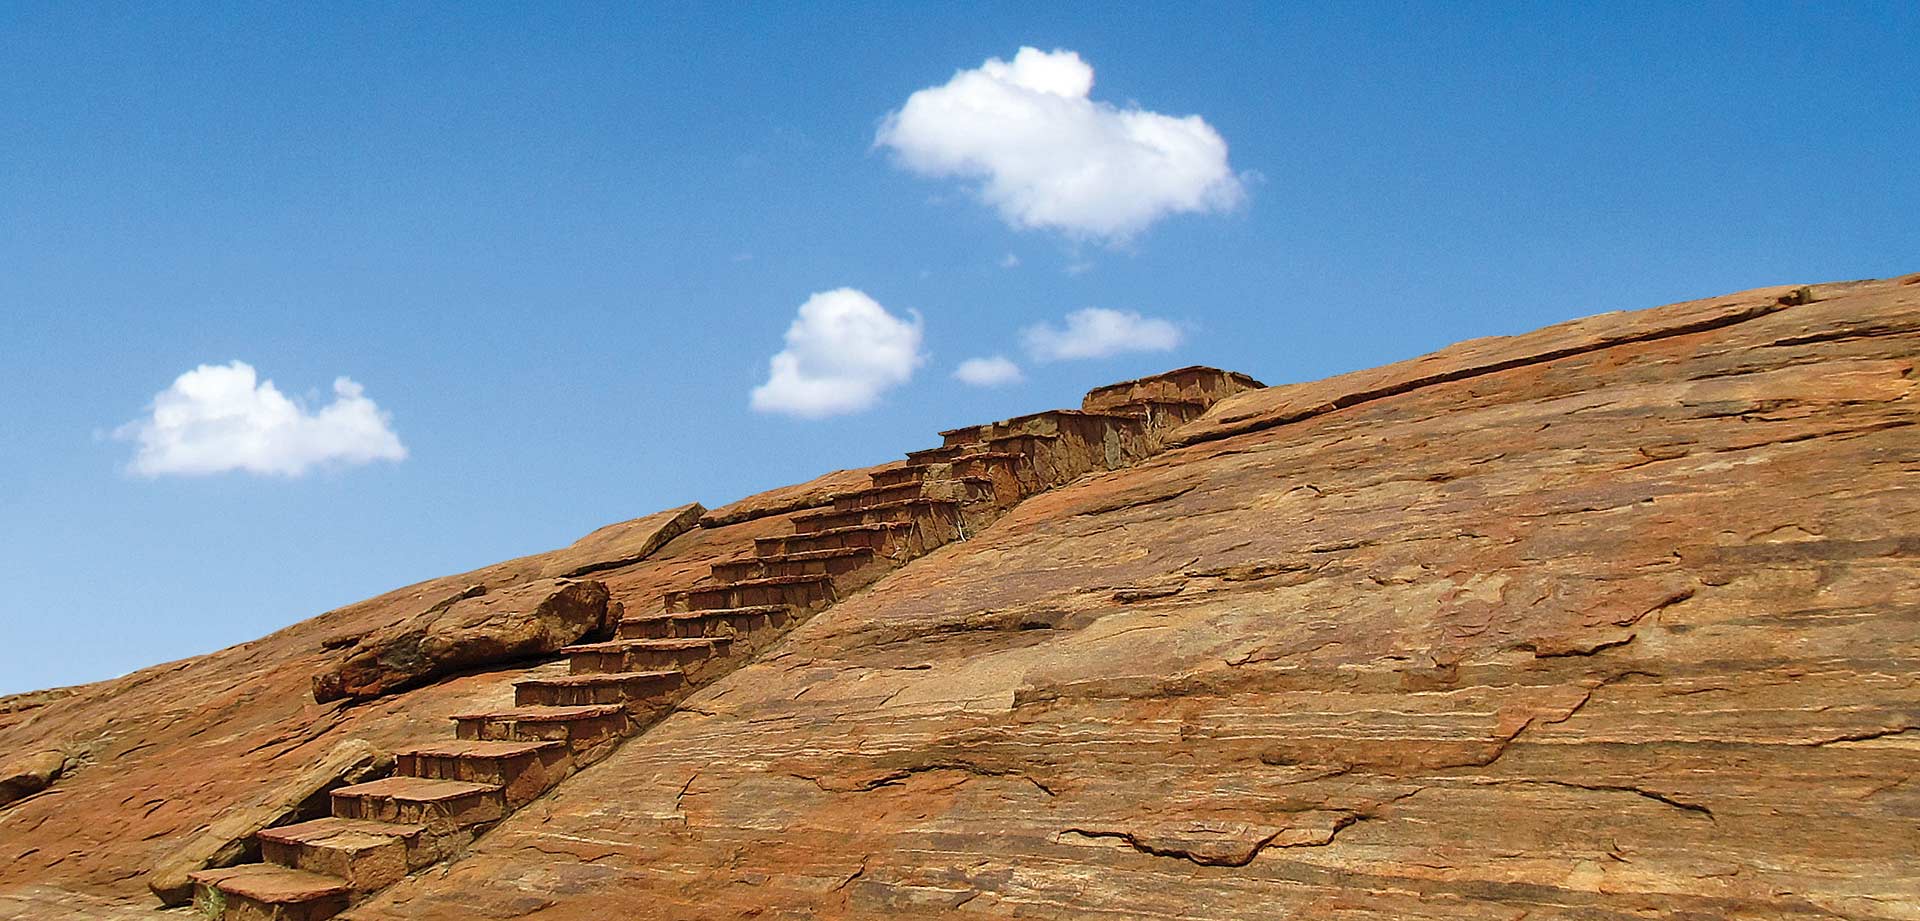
point(814, 493)
point(1197, 383)
point(229, 839)
point(1614, 621)
point(618, 545)
point(1611, 621)
point(472, 628)
point(183, 741)
point(1255, 409)
point(29, 775)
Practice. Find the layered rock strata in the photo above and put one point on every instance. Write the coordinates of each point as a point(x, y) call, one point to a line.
point(1612, 621)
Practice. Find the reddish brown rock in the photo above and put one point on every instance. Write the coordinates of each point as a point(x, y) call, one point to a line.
point(471, 628)
point(1610, 621)
point(29, 774)
point(302, 794)
point(1617, 630)
point(815, 493)
point(171, 748)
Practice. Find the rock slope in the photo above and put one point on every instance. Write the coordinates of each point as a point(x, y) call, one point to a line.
point(1612, 620)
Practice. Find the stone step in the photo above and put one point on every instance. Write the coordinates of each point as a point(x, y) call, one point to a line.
point(1048, 422)
point(443, 806)
point(365, 855)
point(1197, 383)
point(924, 510)
point(891, 539)
point(802, 593)
point(1164, 414)
point(645, 655)
point(524, 770)
point(639, 691)
point(729, 622)
point(958, 488)
point(978, 463)
point(837, 561)
point(266, 892)
point(1028, 444)
point(589, 732)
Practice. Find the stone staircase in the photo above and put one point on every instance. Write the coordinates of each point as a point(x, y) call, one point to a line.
point(444, 794)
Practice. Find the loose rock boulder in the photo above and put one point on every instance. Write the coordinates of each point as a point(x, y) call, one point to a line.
point(472, 628)
point(26, 776)
point(229, 840)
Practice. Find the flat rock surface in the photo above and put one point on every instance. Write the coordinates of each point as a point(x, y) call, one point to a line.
point(417, 789)
point(1615, 622)
point(269, 883)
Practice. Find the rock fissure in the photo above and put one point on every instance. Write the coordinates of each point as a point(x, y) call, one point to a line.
point(1642, 792)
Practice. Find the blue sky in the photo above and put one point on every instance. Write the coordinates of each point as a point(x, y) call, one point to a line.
point(557, 245)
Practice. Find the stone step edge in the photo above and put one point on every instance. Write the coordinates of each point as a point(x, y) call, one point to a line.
point(663, 643)
point(538, 713)
point(750, 610)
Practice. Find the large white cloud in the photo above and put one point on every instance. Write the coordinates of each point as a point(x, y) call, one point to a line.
point(843, 351)
point(1046, 156)
point(1097, 332)
point(221, 418)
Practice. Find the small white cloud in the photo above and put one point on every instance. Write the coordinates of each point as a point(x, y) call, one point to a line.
point(1097, 332)
point(222, 418)
point(993, 371)
point(843, 351)
point(1009, 261)
point(1047, 156)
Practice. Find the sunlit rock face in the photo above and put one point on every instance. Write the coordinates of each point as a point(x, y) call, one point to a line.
point(1616, 619)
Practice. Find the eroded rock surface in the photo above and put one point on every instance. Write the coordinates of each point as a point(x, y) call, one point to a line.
point(164, 752)
point(815, 493)
point(300, 796)
point(470, 628)
point(29, 774)
point(1613, 622)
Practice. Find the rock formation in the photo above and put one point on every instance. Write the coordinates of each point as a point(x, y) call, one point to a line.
point(468, 629)
point(29, 774)
point(1611, 620)
point(229, 838)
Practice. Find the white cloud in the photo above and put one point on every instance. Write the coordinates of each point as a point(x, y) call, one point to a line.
point(843, 351)
point(1009, 261)
point(1046, 156)
point(1097, 332)
point(992, 371)
point(222, 418)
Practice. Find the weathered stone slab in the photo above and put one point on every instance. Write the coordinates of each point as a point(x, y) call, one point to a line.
point(815, 493)
point(228, 840)
point(1256, 409)
point(30, 774)
point(473, 628)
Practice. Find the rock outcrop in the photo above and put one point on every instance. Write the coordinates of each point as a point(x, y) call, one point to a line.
point(228, 840)
point(1617, 628)
point(1612, 620)
point(815, 493)
point(168, 749)
point(29, 774)
point(471, 628)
